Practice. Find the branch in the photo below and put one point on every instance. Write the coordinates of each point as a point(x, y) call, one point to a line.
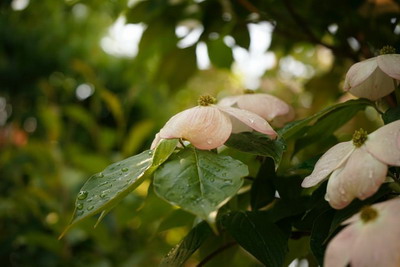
point(216, 252)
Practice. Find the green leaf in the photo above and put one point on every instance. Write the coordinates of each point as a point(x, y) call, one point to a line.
point(199, 181)
point(298, 128)
point(105, 189)
point(258, 235)
point(163, 150)
point(258, 144)
point(320, 233)
point(220, 54)
point(178, 255)
point(263, 189)
point(391, 115)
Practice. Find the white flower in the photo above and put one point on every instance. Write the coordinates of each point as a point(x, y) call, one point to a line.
point(374, 78)
point(267, 106)
point(357, 168)
point(370, 239)
point(208, 126)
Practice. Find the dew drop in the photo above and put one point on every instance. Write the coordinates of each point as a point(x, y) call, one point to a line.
point(82, 195)
point(100, 175)
point(79, 213)
point(89, 199)
point(150, 152)
point(251, 120)
point(103, 195)
point(90, 207)
point(119, 164)
point(212, 180)
point(79, 206)
point(209, 141)
point(103, 183)
point(124, 169)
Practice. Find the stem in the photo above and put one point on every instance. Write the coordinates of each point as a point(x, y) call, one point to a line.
point(215, 253)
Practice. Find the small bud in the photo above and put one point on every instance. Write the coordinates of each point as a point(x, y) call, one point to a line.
point(206, 100)
point(368, 214)
point(359, 137)
point(387, 49)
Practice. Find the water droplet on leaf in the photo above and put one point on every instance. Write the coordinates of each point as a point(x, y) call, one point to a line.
point(82, 195)
point(90, 207)
point(79, 206)
point(103, 195)
point(100, 175)
point(124, 169)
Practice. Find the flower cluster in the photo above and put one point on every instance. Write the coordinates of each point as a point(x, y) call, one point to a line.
point(357, 168)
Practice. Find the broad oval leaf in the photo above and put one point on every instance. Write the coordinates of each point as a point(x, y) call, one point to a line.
point(105, 189)
point(299, 128)
point(182, 252)
point(199, 181)
point(258, 144)
point(257, 234)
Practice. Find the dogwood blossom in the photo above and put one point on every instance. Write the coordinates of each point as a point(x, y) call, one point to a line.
point(374, 78)
point(357, 168)
point(208, 126)
point(267, 106)
point(370, 239)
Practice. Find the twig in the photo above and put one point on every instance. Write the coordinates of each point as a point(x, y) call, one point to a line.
point(216, 252)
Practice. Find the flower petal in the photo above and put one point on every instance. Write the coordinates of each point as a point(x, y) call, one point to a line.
point(229, 101)
point(252, 120)
point(384, 145)
point(359, 72)
point(330, 161)
point(390, 64)
point(377, 242)
point(264, 105)
point(205, 127)
point(376, 86)
point(361, 177)
point(340, 248)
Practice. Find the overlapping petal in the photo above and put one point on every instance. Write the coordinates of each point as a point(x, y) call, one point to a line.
point(205, 127)
point(329, 162)
point(372, 243)
point(267, 106)
point(373, 78)
point(360, 178)
point(250, 119)
point(383, 144)
point(390, 64)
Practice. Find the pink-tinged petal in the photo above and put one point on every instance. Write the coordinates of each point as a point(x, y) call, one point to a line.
point(376, 86)
point(383, 144)
point(330, 161)
point(280, 121)
point(359, 72)
point(336, 195)
point(204, 127)
point(360, 178)
point(377, 243)
point(264, 105)
point(228, 101)
point(250, 119)
point(155, 142)
point(340, 248)
point(390, 64)
point(371, 243)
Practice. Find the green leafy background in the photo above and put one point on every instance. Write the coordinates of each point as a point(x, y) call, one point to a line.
point(52, 142)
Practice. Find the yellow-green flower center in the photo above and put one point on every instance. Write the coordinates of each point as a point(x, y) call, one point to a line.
point(359, 137)
point(387, 49)
point(368, 214)
point(206, 100)
point(248, 91)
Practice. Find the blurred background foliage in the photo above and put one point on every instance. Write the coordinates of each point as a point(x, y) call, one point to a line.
point(86, 83)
